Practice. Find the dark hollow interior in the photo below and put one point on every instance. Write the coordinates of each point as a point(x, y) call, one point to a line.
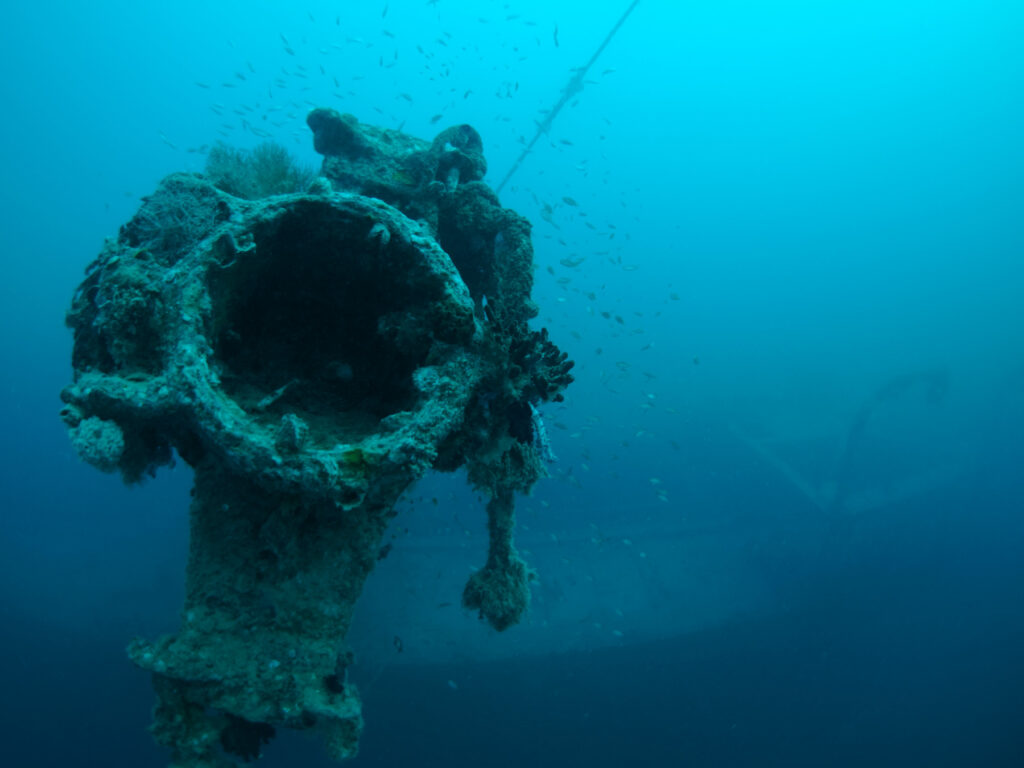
point(298, 324)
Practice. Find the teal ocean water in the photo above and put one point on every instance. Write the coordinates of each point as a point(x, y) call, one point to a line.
point(783, 243)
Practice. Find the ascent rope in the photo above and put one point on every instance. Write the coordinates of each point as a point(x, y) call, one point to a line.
point(574, 86)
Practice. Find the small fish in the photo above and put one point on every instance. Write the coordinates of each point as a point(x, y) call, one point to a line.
point(397, 642)
point(556, 35)
point(434, 119)
point(569, 201)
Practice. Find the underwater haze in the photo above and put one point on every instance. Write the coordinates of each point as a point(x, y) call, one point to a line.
point(783, 243)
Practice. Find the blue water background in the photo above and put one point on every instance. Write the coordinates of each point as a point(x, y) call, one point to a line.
point(782, 206)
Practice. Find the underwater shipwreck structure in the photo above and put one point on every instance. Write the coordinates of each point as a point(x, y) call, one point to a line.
point(310, 355)
point(894, 448)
